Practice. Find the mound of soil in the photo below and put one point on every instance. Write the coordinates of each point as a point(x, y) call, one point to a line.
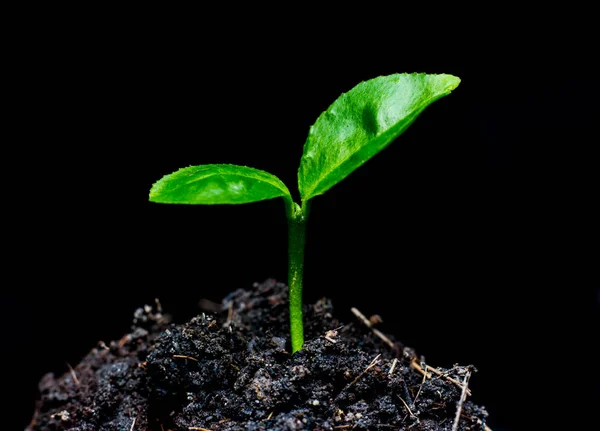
point(230, 369)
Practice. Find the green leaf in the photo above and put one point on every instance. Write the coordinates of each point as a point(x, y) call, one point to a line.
point(362, 122)
point(218, 184)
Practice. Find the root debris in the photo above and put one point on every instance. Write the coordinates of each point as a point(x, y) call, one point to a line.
point(434, 370)
point(463, 396)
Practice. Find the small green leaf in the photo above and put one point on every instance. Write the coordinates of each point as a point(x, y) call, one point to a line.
point(218, 184)
point(362, 122)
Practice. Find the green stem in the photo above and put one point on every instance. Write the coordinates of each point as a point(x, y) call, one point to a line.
point(296, 242)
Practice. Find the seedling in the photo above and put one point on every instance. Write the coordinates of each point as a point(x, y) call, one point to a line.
point(358, 125)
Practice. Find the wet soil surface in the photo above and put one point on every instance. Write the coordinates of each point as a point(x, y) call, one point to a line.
point(231, 369)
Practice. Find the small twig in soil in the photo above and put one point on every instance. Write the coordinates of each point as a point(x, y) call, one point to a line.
point(331, 340)
point(103, 345)
point(132, 424)
point(369, 325)
point(124, 340)
point(393, 366)
point(331, 334)
point(407, 408)
point(417, 367)
point(198, 429)
point(75, 379)
point(450, 379)
point(371, 365)
point(438, 406)
point(463, 396)
point(422, 383)
point(214, 322)
point(270, 416)
point(185, 357)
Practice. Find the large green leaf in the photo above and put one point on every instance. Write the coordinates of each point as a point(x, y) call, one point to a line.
point(218, 184)
point(362, 122)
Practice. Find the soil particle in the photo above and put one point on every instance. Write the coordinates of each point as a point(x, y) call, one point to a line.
point(231, 370)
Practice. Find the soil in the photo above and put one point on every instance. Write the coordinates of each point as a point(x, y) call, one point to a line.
point(231, 369)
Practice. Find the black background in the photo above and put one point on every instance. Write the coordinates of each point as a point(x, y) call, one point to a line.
point(471, 235)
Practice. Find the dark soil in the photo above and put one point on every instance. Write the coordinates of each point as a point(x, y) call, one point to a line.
point(230, 369)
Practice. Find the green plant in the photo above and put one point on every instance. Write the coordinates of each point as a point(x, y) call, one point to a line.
point(358, 125)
